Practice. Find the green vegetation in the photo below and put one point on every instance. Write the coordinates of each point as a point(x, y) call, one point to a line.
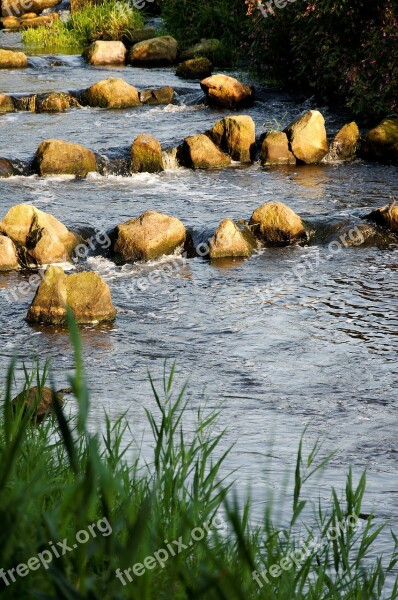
point(110, 20)
point(57, 480)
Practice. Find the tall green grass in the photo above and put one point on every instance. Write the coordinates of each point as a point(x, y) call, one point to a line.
point(57, 478)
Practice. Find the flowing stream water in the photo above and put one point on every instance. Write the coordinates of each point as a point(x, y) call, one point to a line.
point(319, 350)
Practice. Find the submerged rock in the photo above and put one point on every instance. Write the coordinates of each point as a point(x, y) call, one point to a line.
point(227, 92)
point(42, 235)
point(276, 223)
point(105, 53)
point(111, 93)
point(231, 240)
point(275, 149)
point(40, 400)
point(8, 254)
point(209, 48)
point(149, 236)
point(6, 104)
point(7, 169)
point(386, 216)
point(381, 143)
point(195, 68)
point(236, 136)
point(199, 152)
point(307, 137)
point(156, 51)
point(146, 154)
point(87, 295)
point(163, 95)
point(344, 144)
point(56, 157)
point(12, 60)
point(56, 102)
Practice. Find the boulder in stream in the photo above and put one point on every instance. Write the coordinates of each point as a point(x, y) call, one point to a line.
point(56, 102)
point(381, 142)
point(344, 144)
point(163, 95)
point(307, 137)
point(275, 149)
point(200, 152)
point(56, 157)
point(87, 295)
point(232, 240)
point(386, 216)
point(146, 155)
point(156, 51)
point(8, 254)
point(105, 53)
point(236, 136)
point(227, 92)
point(275, 223)
point(12, 60)
point(111, 93)
point(195, 68)
point(39, 400)
point(7, 169)
point(149, 236)
point(6, 104)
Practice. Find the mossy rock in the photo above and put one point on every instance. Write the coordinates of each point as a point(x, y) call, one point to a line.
point(56, 157)
point(146, 155)
point(154, 52)
point(236, 136)
point(195, 68)
point(275, 223)
point(6, 104)
point(232, 240)
point(275, 149)
point(200, 152)
point(386, 216)
point(56, 102)
point(163, 95)
point(111, 93)
point(207, 48)
point(381, 143)
point(12, 60)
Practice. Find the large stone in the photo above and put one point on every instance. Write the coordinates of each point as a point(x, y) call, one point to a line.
point(386, 216)
point(8, 254)
point(111, 93)
point(209, 48)
point(381, 143)
point(236, 136)
point(56, 157)
point(7, 169)
point(227, 92)
point(39, 400)
point(12, 60)
point(133, 36)
point(275, 149)
point(105, 53)
point(276, 223)
point(307, 137)
point(86, 294)
point(17, 8)
point(199, 152)
point(195, 68)
point(149, 236)
point(163, 95)
point(146, 155)
point(46, 239)
point(6, 104)
point(56, 102)
point(231, 240)
point(157, 51)
point(344, 144)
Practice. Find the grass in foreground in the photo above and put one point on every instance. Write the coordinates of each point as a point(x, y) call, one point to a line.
point(60, 484)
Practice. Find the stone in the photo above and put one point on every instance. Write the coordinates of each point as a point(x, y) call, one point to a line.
point(386, 216)
point(56, 102)
point(10, 23)
point(200, 152)
point(105, 53)
point(46, 239)
point(208, 48)
point(381, 142)
point(133, 36)
point(39, 400)
point(28, 16)
point(156, 51)
point(8, 254)
point(6, 104)
point(111, 93)
point(12, 60)
point(18, 8)
point(7, 168)
point(149, 236)
point(146, 155)
point(231, 240)
point(56, 157)
point(42, 21)
point(344, 144)
point(227, 92)
point(276, 223)
point(195, 68)
point(307, 137)
point(236, 136)
point(163, 95)
point(275, 149)
point(27, 103)
point(86, 294)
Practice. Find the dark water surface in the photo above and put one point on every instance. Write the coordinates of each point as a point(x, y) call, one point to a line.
point(275, 351)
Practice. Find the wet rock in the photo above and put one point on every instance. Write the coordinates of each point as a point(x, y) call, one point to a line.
point(12, 60)
point(56, 157)
point(42, 235)
point(227, 92)
point(275, 149)
point(381, 143)
point(40, 400)
point(307, 137)
point(138, 35)
point(236, 136)
point(87, 295)
point(209, 48)
point(344, 144)
point(56, 102)
point(200, 152)
point(111, 93)
point(17, 8)
point(6, 104)
point(146, 155)
point(195, 68)
point(105, 53)
point(149, 236)
point(8, 254)
point(157, 51)
point(6, 168)
point(276, 223)
point(386, 216)
point(27, 103)
point(231, 240)
point(163, 95)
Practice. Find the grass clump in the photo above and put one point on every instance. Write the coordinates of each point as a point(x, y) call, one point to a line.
point(110, 20)
point(57, 480)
